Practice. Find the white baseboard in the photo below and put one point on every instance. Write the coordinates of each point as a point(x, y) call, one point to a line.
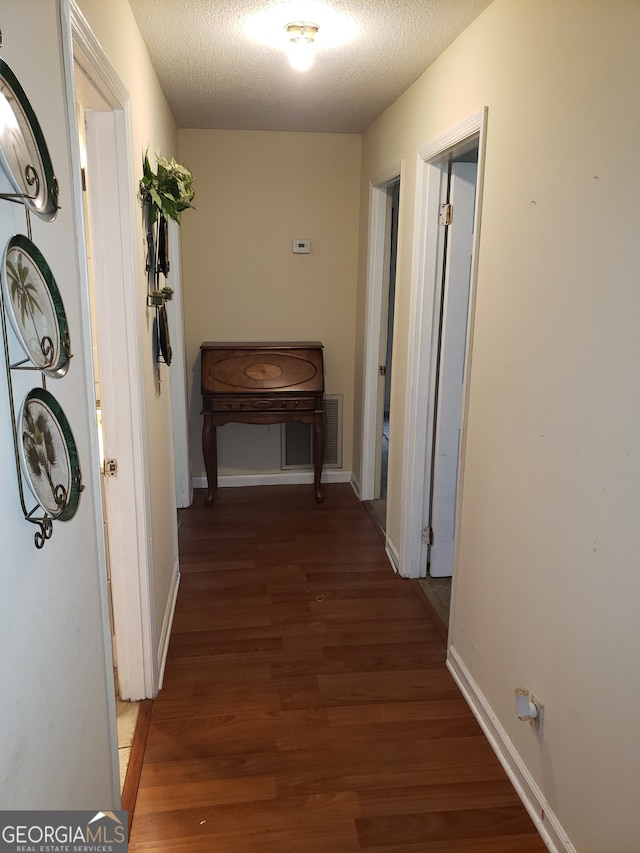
point(278, 478)
point(545, 821)
point(167, 622)
point(393, 554)
point(355, 485)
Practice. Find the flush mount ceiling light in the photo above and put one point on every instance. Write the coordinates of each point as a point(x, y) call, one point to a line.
point(265, 27)
point(302, 47)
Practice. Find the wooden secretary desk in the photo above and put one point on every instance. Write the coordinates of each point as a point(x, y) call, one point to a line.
point(261, 383)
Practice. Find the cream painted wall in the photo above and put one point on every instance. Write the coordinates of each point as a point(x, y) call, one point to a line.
point(255, 193)
point(58, 745)
point(547, 584)
point(154, 128)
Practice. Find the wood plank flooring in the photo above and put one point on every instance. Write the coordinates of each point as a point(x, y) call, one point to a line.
point(306, 705)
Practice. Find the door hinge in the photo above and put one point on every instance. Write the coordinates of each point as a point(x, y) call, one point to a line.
point(446, 214)
point(382, 370)
point(110, 467)
point(427, 535)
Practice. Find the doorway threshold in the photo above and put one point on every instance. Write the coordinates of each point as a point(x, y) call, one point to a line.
point(133, 771)
point(437, 591)
point(377, 511)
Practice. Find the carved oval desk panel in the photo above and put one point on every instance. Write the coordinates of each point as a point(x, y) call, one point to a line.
point(238, 371)
point(263, 371)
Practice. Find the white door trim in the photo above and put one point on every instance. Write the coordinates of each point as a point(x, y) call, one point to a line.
point(109, 145)
point(430, 174)
point(378, 204)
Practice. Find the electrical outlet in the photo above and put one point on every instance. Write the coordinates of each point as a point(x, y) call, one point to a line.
point(536, 722)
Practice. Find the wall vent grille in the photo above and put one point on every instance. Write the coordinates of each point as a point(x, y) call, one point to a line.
point(297, 438)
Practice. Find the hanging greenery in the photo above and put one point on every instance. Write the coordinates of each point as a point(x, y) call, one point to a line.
point(164, 195)
point(168, 191)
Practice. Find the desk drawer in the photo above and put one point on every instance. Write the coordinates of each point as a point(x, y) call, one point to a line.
point(261, 404)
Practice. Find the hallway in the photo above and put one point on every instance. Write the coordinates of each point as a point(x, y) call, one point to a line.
point(306, 705)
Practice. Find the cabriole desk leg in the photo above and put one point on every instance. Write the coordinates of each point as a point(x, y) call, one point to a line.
point(210, 453)
point(318, 454)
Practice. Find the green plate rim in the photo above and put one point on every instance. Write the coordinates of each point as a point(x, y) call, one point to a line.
point(49, 210)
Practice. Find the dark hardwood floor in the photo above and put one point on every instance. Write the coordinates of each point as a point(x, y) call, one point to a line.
point(306, 705)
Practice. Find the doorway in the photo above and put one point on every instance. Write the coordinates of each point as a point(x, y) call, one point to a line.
point(437, 394)
point(387, 314)
point(450, 338)
point(456, 222)
point(384, 205)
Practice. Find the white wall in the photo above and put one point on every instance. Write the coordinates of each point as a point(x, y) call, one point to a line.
point(255, 193)
point(547, 578)
point(57, 722)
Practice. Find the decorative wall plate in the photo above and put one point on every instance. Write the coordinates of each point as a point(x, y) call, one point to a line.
point(35, 306)
point(48, 455)
point(24, 156)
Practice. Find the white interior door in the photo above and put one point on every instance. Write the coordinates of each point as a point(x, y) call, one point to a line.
point(125, 493)
point(450, 371)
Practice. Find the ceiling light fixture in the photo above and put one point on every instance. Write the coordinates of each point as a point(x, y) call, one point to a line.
point(302, 47)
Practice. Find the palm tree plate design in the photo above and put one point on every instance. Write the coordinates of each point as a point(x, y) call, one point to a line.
point(36, 310)
point(24, 155)
point(48, 455)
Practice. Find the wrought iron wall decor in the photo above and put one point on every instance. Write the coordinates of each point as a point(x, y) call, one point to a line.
point(45, 452)
point(165, 194)
point(158, 291)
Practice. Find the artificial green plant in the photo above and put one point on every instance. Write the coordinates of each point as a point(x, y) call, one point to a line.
point(168, 191)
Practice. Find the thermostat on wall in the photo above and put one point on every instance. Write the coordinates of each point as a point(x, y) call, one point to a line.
point(301, 247)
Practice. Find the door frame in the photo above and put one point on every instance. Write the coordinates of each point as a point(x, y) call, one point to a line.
point(376, 273)
point(119, 335)
point(432, 167)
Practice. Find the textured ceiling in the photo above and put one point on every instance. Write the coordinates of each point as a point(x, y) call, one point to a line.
point(222, 63)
